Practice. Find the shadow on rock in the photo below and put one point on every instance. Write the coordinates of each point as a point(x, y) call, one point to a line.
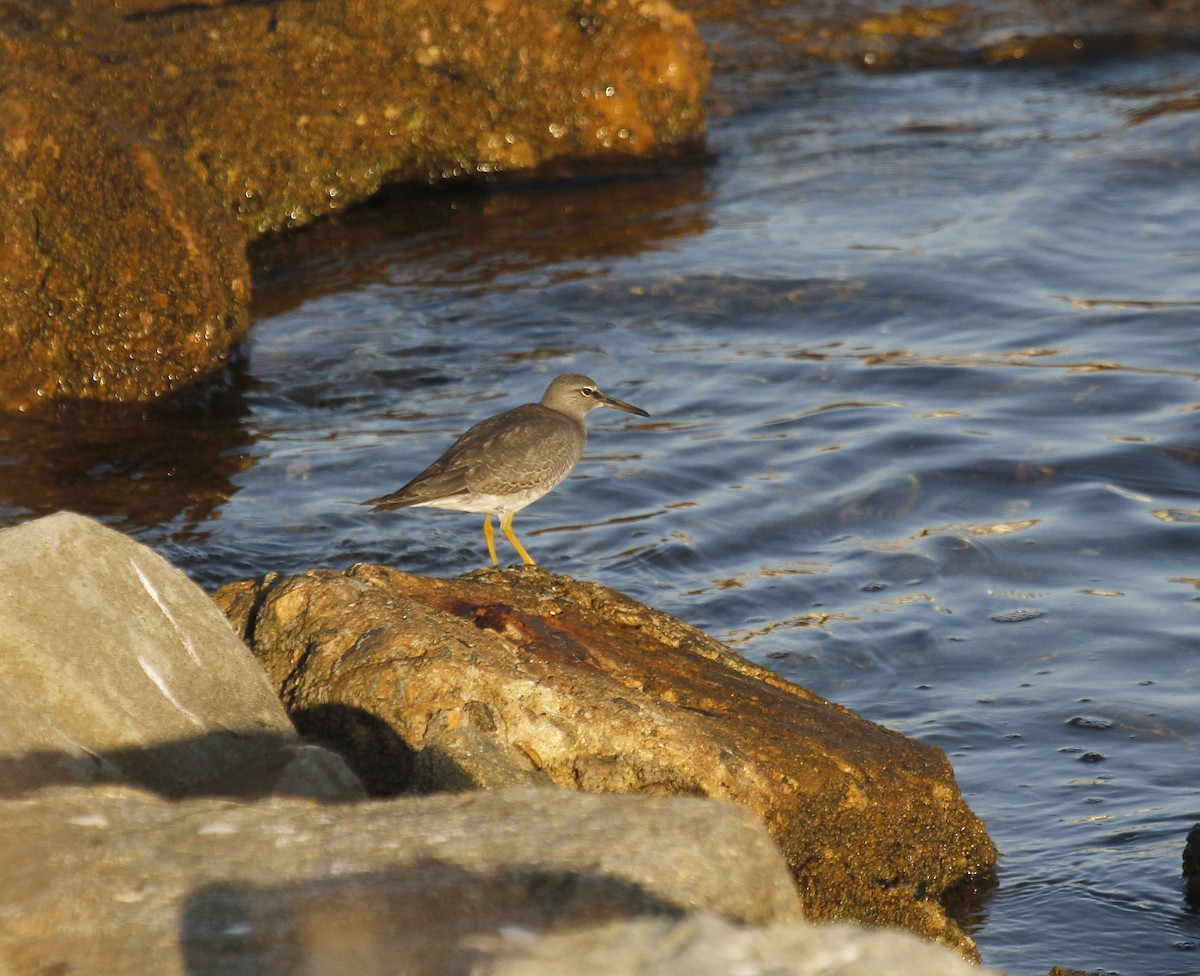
point(384, 763)
point(241, 766)
point(418, 915)
point(470, 234)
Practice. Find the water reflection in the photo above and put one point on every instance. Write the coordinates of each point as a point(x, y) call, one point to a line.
point(480, 234)
point(913, 37)
point(127, 466)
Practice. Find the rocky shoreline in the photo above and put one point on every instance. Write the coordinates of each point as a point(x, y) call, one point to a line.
point(616, 788)
point(146, 142)
point(504, 773)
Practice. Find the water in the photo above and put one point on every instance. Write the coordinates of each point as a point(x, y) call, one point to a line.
point(920, 350)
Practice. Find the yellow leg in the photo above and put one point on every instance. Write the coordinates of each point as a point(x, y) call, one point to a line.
point(506, 526)
point(489, 535)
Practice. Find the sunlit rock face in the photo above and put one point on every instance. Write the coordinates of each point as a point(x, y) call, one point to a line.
point(135, 143)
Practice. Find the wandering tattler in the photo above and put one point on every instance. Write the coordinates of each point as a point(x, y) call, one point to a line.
point(509, 461)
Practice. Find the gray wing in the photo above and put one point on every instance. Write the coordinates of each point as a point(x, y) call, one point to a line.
point(526, 448)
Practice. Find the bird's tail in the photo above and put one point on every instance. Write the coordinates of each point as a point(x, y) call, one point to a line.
point(385, 503)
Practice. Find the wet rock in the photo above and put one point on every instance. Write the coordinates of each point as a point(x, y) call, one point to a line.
point(292, 110)
point(524, 677)
point(109, 879)
point(116, 667)
point(123, 277)
point(134, 135)
point(1191, 867)
point(708, 946)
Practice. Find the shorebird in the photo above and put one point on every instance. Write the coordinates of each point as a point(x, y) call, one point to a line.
point(509, 461)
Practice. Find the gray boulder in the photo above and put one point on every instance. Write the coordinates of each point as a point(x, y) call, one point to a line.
point(113, 880)
point(115, 667)
point(705, 945)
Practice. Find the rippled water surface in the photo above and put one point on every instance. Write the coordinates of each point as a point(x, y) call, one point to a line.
point(921, 354)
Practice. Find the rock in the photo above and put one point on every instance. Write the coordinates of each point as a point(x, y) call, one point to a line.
point(116, 667)
point(524, 676)
point(124, 278)
point(295, 109)
point(291, 770)
point(134, 139)
point(119, 669)
point(1191, 868)
point(109, 879)
point(707, 946)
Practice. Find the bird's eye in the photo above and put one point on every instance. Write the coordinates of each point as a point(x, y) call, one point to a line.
point(587, 391)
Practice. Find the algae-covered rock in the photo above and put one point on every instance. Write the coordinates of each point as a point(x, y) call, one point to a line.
point(134, 140)
point(123, 276)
